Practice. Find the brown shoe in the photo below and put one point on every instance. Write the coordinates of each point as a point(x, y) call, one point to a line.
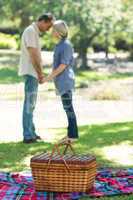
point(29, 141)
point(38, 137)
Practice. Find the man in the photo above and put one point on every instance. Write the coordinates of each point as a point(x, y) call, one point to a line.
point(31, 68)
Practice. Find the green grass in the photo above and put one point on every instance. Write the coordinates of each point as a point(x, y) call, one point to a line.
point(9, 68)
point(99, 140)
point(9, 61)
point(91, 76)
point(123, 197)
point(9, 76)
point(9, 72)
point(105, 141)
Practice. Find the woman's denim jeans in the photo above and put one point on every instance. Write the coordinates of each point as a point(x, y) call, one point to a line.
point(31, 89)
point(68, 107)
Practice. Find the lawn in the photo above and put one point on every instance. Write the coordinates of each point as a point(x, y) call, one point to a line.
point(9, 62)
point(83, 76)
point(105, 141)
point(9, 75)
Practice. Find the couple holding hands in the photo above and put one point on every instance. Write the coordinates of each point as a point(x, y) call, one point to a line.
point(62, 74)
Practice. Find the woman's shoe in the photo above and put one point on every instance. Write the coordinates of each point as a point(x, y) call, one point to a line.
point(66, 140)
point(29, 141)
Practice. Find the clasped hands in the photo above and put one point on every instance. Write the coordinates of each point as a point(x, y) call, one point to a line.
point(42, 79)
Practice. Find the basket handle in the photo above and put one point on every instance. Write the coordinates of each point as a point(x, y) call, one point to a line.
point(67, 145)
point(57, 148)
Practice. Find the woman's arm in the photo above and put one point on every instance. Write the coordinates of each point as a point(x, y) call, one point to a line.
point(55, 72)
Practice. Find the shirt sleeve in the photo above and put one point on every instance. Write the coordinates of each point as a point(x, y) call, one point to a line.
point(66, 55)
point(30, 39)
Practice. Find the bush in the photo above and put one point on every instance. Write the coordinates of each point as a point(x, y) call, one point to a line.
point(47, 42)
point(112, 50)
point(121, 44)
point(98, 47)
point(131, 53)
point(106, 94)
point(7, 42)
point(17, 37)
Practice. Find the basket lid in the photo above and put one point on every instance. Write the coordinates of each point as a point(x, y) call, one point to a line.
point(76, 159)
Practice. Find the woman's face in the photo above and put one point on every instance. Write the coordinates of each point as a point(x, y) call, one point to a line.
point(55, 34)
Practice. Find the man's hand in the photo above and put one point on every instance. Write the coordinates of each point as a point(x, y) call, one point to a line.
point(41, 79)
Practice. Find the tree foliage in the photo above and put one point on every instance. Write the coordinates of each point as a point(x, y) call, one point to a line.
point(109, 22)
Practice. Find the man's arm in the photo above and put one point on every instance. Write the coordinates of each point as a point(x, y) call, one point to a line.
point(36, 61)
point(55, 72)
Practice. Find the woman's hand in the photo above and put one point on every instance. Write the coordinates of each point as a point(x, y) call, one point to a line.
point(44, 80)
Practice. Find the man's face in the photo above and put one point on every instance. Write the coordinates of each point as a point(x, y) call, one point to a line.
point(45, 26)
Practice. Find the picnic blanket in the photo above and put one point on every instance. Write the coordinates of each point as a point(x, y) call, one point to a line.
point(109, 182)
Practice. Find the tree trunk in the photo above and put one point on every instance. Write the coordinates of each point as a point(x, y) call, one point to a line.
point(25, 21)
point(83, 57)
point(83, 47)
point(131, 52)
point(106, 45)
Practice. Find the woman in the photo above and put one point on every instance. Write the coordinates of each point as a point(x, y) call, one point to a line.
point(63, 76)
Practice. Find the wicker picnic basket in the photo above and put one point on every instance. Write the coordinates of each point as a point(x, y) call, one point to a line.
point(61, 172)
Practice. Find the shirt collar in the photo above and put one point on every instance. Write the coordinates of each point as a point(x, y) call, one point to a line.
point(61, 41)
point(36, 28)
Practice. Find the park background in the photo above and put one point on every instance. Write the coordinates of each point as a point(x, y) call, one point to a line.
point(102, 37)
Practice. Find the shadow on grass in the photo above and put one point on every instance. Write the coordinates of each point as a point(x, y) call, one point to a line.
point(115, 197)
point(96, 76)
point(93, 139)
point(16, 156)
point(106, 134)
point(107, 142)
point(9, 76)
point(121, 75)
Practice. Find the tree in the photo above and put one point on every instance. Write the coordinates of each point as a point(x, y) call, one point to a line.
point(87, 19)
point(96, 17)
point(127, 24)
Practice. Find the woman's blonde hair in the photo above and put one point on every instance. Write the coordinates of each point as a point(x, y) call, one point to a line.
point(61, 28)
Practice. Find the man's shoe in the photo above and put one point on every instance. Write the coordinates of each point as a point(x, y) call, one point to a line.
point(29, 141)
point(38, 137)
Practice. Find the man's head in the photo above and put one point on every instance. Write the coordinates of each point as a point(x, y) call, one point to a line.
point(45, 22)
